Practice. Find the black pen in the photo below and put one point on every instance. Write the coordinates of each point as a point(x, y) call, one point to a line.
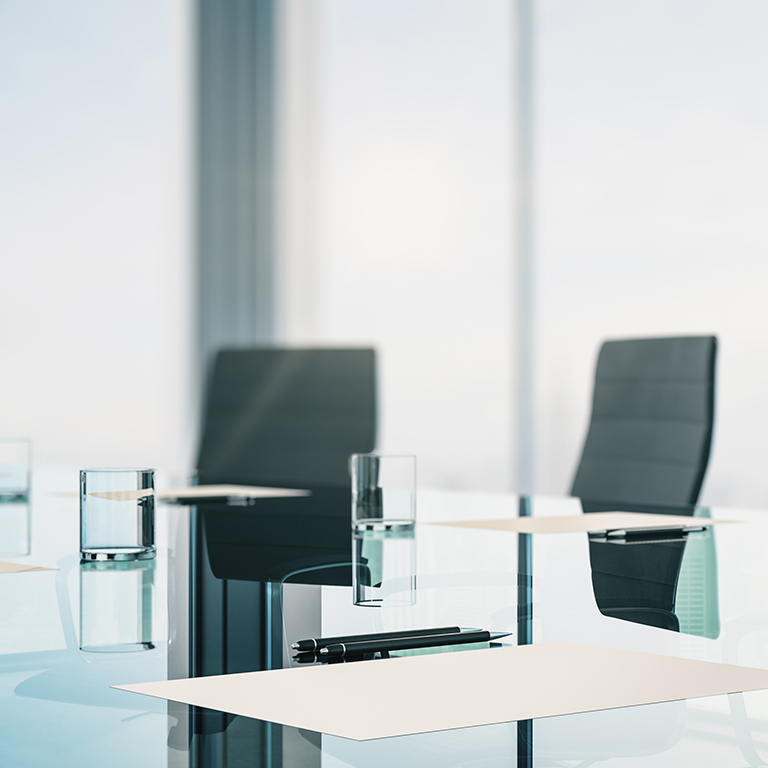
point(651, 533)
point(404, 643)
point(313, 657)
point(315, 644)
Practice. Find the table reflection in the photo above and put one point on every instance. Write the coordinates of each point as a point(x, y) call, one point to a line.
point(15, 528)
point(669, 583)
point(116, 606)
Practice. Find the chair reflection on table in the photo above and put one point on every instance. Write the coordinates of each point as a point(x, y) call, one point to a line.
point(670, 584)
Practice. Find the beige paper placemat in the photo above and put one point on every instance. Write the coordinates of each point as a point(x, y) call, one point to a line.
point(17, 568)
point(588, 523)
point(417, 694)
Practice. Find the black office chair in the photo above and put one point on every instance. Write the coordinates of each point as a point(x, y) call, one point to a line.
point(284, 418)
point(651, 427)
point(646, 450)
point(287, 417)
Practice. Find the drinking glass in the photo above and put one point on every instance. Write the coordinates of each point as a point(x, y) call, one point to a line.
point(117, 514)
point(383, 529)
point(15, 465)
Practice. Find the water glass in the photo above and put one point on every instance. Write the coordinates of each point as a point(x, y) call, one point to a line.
point(383, 491)
point(383, 529)
point(117, 514)
point(15, 468)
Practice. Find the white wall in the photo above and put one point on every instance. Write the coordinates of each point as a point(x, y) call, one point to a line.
point(95, 288)
point(410, 246)
point(652, 198)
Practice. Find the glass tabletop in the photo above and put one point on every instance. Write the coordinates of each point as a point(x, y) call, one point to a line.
point(204, 606)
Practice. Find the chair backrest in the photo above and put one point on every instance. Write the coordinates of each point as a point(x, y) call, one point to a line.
point(288, 417)
point(651, 428)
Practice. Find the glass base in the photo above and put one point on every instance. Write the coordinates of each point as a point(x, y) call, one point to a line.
point(373, 526)
point(119, 648)
point(118, 553)
point(383, 602)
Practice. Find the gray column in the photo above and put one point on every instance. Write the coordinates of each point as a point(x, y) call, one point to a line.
point(235, 174)
point(524, 282)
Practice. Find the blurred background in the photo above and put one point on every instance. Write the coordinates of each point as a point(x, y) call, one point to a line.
point(177, 176)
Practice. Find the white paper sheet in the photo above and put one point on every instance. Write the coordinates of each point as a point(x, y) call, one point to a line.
point(18, 568)
point(417, 694)
point(590, 523)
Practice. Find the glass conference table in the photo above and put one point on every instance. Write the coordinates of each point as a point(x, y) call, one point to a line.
point(197, 610)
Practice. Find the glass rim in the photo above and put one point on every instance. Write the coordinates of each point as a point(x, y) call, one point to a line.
point(118, 469)
point(383, 455)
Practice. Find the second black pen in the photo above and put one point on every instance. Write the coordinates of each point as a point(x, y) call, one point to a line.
point(405, 643)
point(315, 644)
